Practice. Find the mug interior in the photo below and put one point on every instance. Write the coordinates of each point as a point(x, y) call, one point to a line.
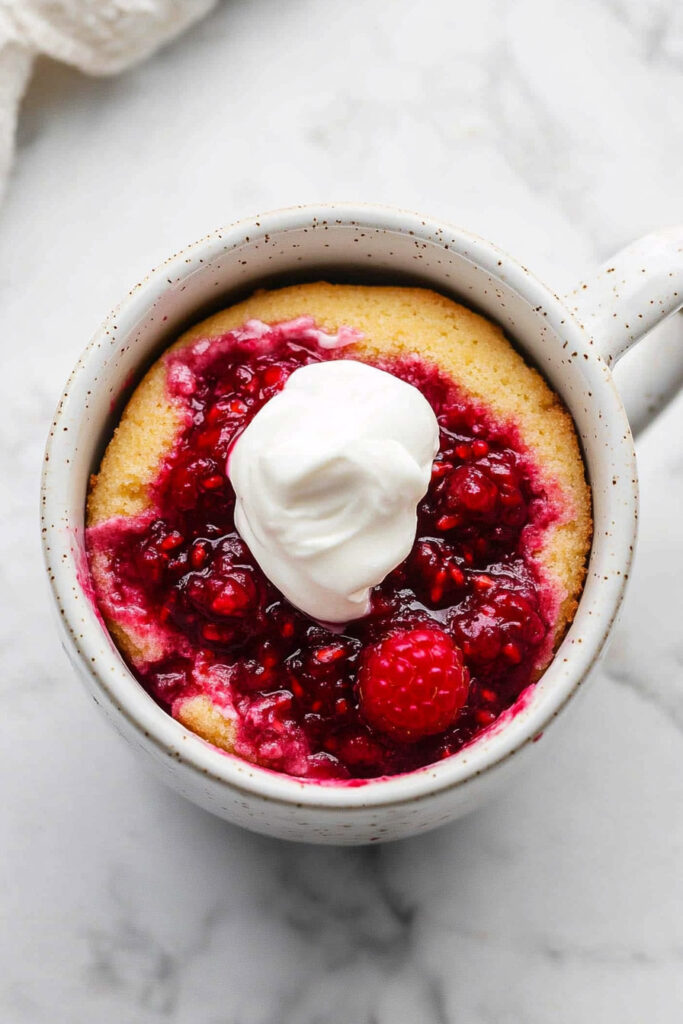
point(363, 245)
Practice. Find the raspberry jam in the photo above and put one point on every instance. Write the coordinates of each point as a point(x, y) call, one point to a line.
point(470, 596)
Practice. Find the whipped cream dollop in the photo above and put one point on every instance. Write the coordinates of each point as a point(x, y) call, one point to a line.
point(328, 476)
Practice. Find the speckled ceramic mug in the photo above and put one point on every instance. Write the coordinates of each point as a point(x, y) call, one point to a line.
point(573, 341)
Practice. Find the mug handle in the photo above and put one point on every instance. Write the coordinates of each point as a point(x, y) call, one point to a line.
point(629, 295)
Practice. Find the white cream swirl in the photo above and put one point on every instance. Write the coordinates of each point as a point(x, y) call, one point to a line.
point(328, 476)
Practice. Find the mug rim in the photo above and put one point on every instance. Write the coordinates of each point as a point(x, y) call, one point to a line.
point(153, 725)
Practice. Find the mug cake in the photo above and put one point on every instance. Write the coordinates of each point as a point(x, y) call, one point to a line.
point(340, 530)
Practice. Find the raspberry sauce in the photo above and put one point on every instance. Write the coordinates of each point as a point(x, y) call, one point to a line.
point(181, 579)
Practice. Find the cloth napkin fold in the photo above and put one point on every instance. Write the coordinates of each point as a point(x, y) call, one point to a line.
point(100, 37)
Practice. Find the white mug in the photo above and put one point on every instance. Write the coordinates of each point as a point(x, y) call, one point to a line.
point(573, 341)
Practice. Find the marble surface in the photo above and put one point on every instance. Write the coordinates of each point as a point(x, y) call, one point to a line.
point(555, 130)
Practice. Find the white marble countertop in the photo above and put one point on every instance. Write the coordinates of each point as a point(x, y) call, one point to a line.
point(555, 130)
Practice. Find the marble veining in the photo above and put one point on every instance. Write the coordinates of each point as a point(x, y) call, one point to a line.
point(552, 129)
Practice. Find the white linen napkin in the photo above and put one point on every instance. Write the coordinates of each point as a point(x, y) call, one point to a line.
point(100, 37)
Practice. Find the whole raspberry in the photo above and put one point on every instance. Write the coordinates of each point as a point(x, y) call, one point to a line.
point(413, 684)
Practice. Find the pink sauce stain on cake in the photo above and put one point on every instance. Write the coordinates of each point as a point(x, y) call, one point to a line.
point(207, 621)
point(123, 391)
point(83, 573)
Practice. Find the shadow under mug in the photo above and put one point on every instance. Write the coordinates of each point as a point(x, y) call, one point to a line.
point(573, 341)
